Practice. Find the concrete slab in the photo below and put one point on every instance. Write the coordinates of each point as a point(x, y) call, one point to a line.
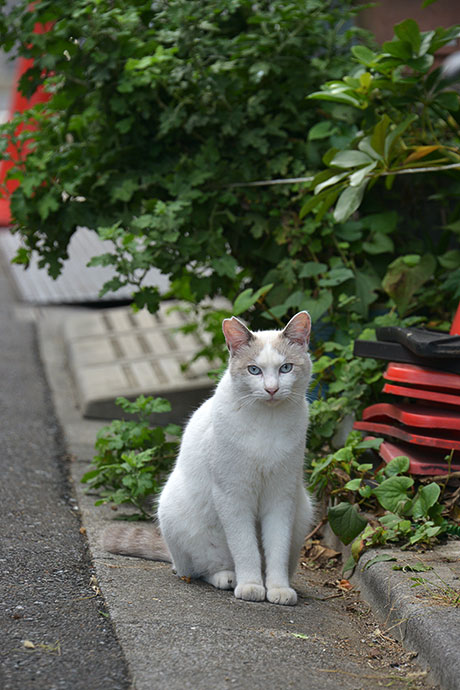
point(117, 352)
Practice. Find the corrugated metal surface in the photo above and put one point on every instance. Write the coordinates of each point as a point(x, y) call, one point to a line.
point(77, 283)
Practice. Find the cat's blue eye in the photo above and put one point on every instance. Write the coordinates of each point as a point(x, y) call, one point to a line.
point(286, 368)
point(254, 370)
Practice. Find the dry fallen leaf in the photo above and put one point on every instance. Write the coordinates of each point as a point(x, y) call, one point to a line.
point(82, 530)
point(28, 644)
point(344, 585)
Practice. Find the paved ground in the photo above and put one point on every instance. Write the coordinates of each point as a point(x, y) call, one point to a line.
point(171, 634)
point(46, 572)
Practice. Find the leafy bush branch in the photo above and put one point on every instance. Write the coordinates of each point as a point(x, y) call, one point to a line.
point(409, 125)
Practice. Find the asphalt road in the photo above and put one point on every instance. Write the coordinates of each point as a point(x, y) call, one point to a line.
point(54, 630)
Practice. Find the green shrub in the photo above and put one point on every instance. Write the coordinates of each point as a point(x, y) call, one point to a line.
point(157, 110)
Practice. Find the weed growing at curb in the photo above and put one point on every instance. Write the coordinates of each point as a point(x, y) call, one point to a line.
point(372, 506)
point(133, 455)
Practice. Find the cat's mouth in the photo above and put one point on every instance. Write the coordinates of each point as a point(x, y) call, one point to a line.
point(272, 400)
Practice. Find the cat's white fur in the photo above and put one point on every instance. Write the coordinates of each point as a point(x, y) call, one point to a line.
point(234, 510)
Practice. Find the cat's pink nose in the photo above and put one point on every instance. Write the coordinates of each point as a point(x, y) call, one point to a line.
point(272, 391)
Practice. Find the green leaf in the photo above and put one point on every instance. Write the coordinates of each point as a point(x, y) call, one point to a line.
point(382, 222)
point(350, 159)
point(408, 30)
point(379, 244)
point(347, 97)
point(312, 268)
point(336, 276)
point(395, 134)
point(363, 54)
point(22, 257)
point(448, 100)
point(348, 202)
point(451, 259)
point(316, 307)
point(379, 135)
point(89, 475)
point(357, 178)
point(366, 147)
point(322, 130)
point(46, 205)
point(124, 191)
point(397, 465)
point(373, 443)
point(225, 266)
point(392, 492)
point(398, 49)
point(426, 497)
point(311, 203)
point(346, 522)
point(334, 179)
point(248, 298)
point(353, 484)
point(421, 64)
point(380, 558)
point(365, 286)
point(349, 565)
point(402, 281)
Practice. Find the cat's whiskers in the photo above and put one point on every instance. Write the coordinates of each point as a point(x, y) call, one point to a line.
point(246, 400)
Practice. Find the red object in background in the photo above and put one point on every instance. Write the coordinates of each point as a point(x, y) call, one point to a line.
point(425, 416)
point(423, 461)
point(439, 395)
point(409, 434)
point(18, 104)
point(422, 377)
point(455, 328)
point(423, 433)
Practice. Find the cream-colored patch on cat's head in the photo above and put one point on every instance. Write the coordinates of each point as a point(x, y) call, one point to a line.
point(269, 366)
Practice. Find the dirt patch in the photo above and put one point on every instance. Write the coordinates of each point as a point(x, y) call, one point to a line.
point(366, 639)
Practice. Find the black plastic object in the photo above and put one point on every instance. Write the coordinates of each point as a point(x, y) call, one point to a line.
point(422, 342)
point(395, 352)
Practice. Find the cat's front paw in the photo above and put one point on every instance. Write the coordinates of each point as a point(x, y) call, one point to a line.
point(286, 596)
point(250, 592)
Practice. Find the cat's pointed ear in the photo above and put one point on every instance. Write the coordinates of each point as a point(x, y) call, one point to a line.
point(236, 334)
point(298, 329)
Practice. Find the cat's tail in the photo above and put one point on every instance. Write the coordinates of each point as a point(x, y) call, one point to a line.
point(136, 540)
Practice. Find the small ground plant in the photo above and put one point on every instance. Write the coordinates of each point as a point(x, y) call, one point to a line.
point(133, 455)
point(376, 505)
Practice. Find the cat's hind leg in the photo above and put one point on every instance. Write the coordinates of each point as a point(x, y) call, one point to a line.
point(303, 522)
point(223, 579)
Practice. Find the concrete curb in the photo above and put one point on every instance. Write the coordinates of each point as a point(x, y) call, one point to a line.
point(416, 614)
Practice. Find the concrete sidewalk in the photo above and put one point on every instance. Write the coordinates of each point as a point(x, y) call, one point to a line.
point(176, 635)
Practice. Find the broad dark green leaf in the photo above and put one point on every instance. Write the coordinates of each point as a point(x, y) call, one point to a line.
point(392, 493)
point(346, 522)
point(425, 498)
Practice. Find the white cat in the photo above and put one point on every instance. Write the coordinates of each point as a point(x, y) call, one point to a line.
point(234, 511)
